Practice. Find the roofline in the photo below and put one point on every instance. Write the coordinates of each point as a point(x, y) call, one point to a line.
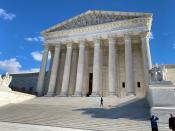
point(95, 11)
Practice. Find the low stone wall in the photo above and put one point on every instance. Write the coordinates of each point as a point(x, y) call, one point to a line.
point(161, 96)
point(25, 82)
point(170, 72)
point(161, 99)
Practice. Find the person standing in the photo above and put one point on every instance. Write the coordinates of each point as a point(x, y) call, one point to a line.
point(101, 102)
point(154, 125)
point(172, 122)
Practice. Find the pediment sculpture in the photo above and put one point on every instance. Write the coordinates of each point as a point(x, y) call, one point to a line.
point(94, 18)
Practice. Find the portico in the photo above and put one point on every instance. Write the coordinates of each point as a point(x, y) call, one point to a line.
point(98, 53)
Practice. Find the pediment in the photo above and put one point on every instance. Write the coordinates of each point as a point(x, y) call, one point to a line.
point(94, 18)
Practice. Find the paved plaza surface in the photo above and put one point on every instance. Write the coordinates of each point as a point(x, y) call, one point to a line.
point(78, 113)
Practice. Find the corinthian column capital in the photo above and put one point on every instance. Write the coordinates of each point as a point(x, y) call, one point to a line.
point(145, 35)
point(127, 37)
point(96, 41)
point(81, 43)
point(46, 47)
point(58, 46)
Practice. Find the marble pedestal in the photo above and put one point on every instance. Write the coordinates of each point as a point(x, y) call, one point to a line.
point(161, 98)
point(5, 88)
point(95, 94)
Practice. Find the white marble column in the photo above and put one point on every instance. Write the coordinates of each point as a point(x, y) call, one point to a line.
point(86, 73)
point(49, 71)
point(129, 66)
point(112, 64)
point(53, 76)
point(66, 75)
point(73, 71)
point(80, 69)
point(96, 69)
point(146, 39)
point(41, 76)
point(60, 71)
point(146, 57)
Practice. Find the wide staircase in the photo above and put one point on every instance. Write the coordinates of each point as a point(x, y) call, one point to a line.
point(117, 114)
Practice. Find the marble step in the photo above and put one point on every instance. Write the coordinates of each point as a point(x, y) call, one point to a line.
point(130, 114)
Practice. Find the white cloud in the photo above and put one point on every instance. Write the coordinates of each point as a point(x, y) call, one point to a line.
point(13, 66)
point(6, 16)
point(35, 39)
point(151, 35)
point(37, 55)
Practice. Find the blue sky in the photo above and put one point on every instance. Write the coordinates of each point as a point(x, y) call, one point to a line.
point(21, 22)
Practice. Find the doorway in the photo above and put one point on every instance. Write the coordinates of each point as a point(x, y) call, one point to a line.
point(90, 84)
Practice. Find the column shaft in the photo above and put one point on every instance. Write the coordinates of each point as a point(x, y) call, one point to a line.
point(86, 73)
point(112, 66)
point(65, 84)
point(41, 76)
point(49, 71)
point(53, 76)
point(148, 53)
point(73, 72)
point(96, 69)
point(129, 67)
point(60, 72)
point(146, 62)
point(80, 69)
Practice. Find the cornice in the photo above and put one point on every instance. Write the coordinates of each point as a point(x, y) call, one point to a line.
point(95, 28)
point(99, 35)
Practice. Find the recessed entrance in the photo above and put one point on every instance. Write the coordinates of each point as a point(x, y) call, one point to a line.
point(90, 84)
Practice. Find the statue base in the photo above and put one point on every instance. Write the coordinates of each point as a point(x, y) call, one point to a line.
point(161, 100)
point(161, 83)
point(3, 88)
point(161, 96)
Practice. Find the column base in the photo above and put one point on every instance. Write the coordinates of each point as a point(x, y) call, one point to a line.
point(38, 94)
point(84, 95)
point(77, 94)
point(130, 94)
point(49, 94)
point(63, 94)
point(95, 94)
point(112, 94)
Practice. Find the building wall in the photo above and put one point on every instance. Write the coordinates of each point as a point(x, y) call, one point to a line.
point(170, 73)
point(138, 73)
point(25, 82)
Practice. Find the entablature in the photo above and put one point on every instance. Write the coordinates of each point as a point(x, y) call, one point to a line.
point(119, 25)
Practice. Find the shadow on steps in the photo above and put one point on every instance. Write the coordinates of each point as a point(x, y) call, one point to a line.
point(137, 109)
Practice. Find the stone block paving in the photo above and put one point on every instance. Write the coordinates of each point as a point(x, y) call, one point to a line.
point(122, 114)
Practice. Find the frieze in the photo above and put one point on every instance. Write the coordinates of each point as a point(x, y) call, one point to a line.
point(102, 35)
point(108, 26)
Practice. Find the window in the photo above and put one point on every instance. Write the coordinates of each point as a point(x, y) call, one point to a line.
point(123, 84)
point(138, 84)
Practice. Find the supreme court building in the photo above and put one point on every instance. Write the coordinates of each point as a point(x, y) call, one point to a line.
point(97, 53)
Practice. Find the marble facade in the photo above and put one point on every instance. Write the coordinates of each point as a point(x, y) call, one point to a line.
point(98, 53)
